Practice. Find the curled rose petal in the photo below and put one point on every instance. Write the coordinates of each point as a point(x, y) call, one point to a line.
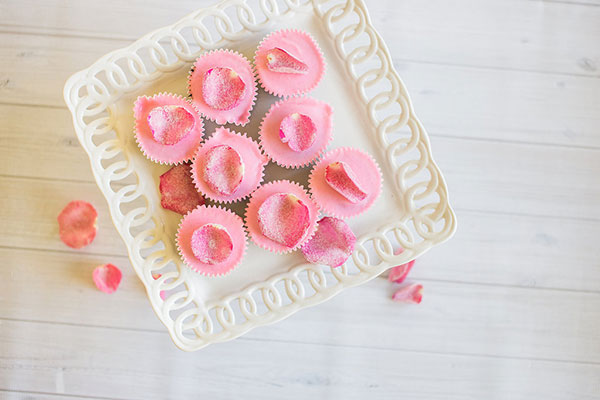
point(412, 293)
point(399, 273)
point(341, 178)
point(177, 190)
point(332, 244)
point(222, 88)
point(107, 277)
point(298, 131)
point(170, 124)
point(77, 224)
point(223, 169)
point(279, 60)
point(284, 218)
point(211, 244)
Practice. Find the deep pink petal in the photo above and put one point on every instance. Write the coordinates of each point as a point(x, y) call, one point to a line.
point(77, 224)
point(107, 277)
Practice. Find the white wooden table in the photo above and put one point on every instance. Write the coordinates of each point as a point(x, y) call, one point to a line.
point(510, 93)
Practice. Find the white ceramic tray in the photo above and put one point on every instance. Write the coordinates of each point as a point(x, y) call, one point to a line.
point(372, 111)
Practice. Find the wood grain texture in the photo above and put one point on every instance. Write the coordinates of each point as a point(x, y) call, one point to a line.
point(509, 92)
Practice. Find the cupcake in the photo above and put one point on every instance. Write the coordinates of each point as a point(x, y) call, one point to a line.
point(211, 240)
point(223, 87)
point(168, 129)
point(296, 131)
point(281, 216)
point(289, 62)
point(345, 182)
point(228, 166)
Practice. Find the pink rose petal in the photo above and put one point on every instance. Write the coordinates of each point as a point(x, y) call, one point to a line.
point(399, 273)
point(298, 131)
point(162, 293)
point(77, 224)
point(222, 88)
point(177, 190)
point(412, 293)
point(211, 244)
point(279, 60)
point(107, 277)
point(284, 218)
point(223, 169)
point(332, 244)
point(341, 178)
point(170, 124)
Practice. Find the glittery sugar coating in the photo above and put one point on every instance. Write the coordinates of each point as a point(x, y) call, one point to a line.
point(77, 224)
point(298, 131)
point(340, 177)
point(222, 88)
point(223, 169)
point(279, 60)
point(211, 244)
point(284, 218)
point(332, 244)
point(169, 124)
point(177, 190)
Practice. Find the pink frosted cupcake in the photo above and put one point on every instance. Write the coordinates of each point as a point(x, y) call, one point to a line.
point(223, 86)
point(345, 182)
point(211, 240)
point(168, 129)
point(296, 131)
point(281, 216)
point(228, 166)
point(289, 62)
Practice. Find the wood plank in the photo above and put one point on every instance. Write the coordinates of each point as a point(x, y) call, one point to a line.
point(98, 362)
point(515, 34)
point(453, 318)
point(28, 395)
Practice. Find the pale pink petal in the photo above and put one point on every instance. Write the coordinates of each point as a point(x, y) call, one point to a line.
point(223, 169)
point(332, 244)
point(341, 178)
point(298, 131)
point(77, 224)
point(170, 124)
point(279, 60)
point(211, 244)
point(107, 277)
point(412, 293)
point(177, 190)
point(399, 273)
point(284, 218)
point(222, 88)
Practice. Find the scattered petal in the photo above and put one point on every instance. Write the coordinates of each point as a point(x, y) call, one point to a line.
point(77, 224)
point(107, 277)
point(399, 273)
point(412, 293)
point(222, 88)
point(223, 169)
point(341, 178)
point(170, 124)
point(279, 60)
point(284, 218)
point(298, 131)
point(332, 244)
point(211, 244)
point(162, 294)
point(177, 190)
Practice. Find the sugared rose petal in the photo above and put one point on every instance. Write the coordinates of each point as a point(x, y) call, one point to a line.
point(211, 244)
point(77, 224)
point(298, 131)
point(107, 277)
point(332, 244)
point(399, 273)
point(409, 294)
point(341, 178)
point(279, 60)
point(223, 169)
point(177, 190)
point(222, 88)
point(170, 124)
point(284, 218)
